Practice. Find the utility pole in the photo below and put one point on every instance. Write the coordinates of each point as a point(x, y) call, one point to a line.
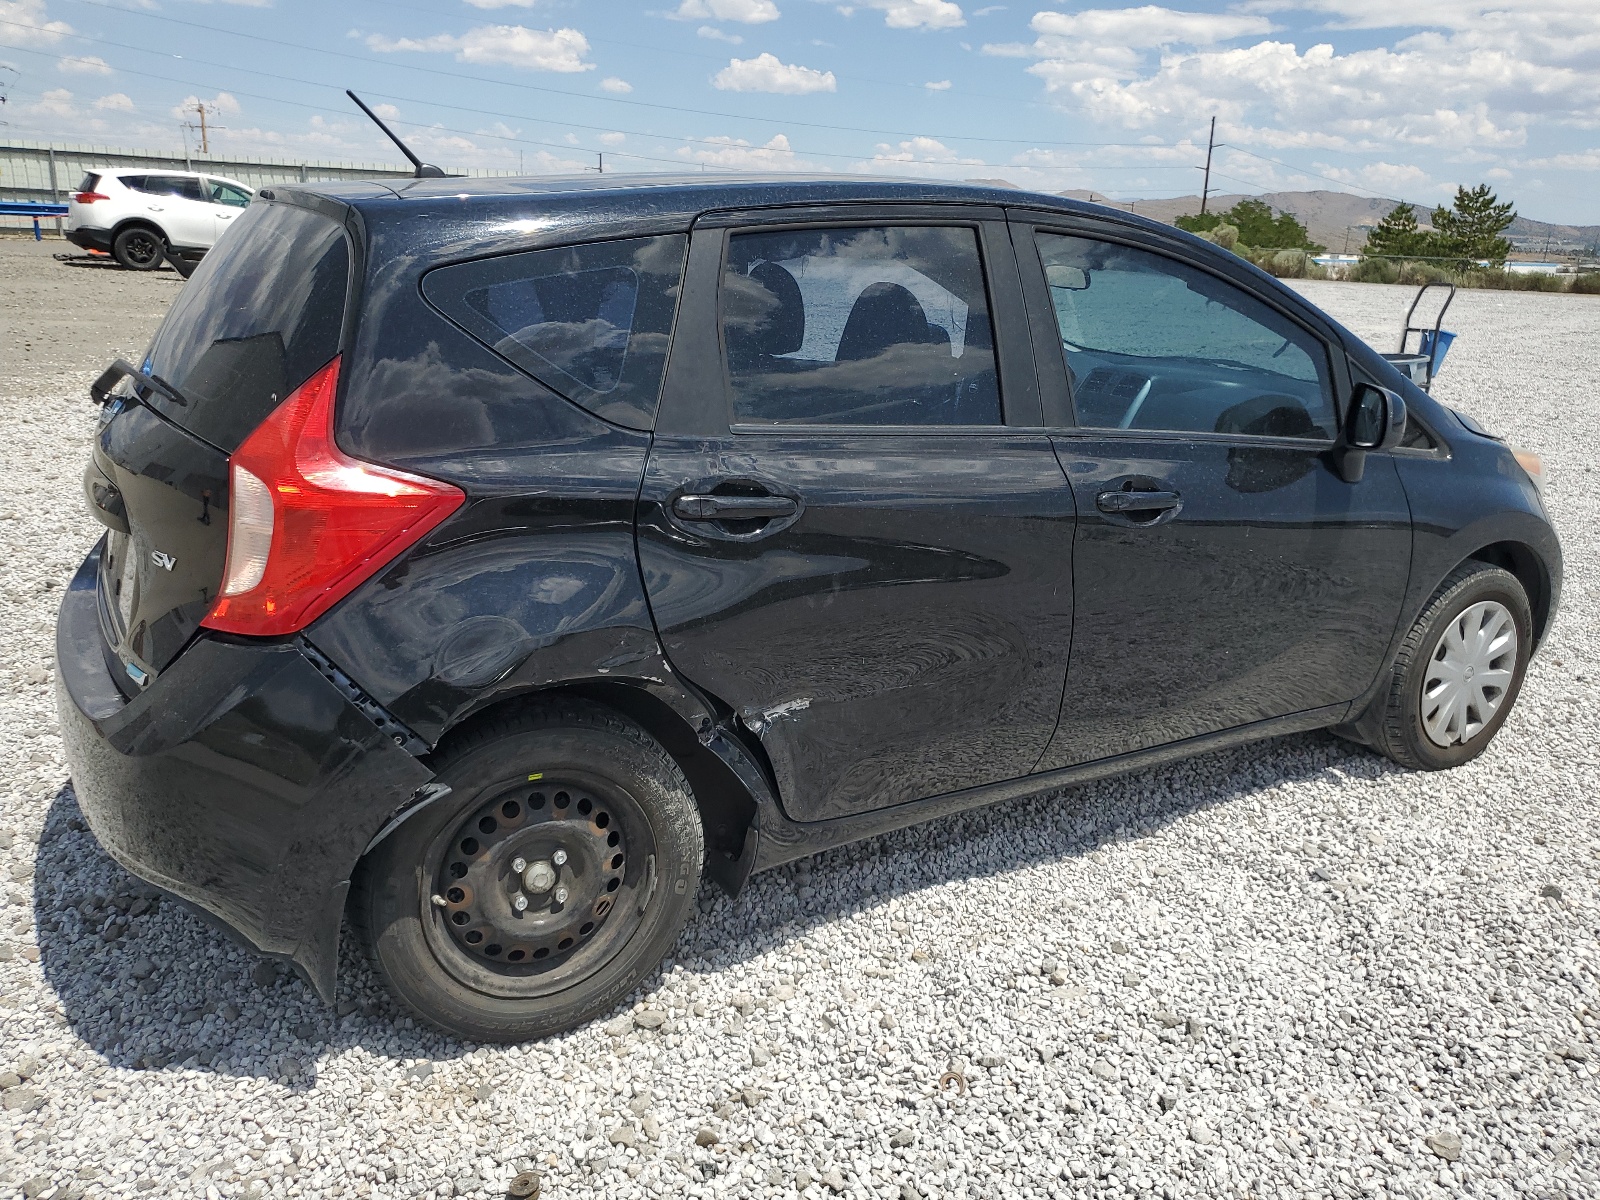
point(205, 140)
point(1211, 144)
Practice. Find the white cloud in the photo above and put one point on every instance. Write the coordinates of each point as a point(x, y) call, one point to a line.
point(115, 102)
point(937, 85)
point(920, 150)
point(387, 111)
point(748, 12)
point(765, 73)
point(712, 33)
point(1501, 70)
point(918, 14)
point(27, 24)
point(560, 50)
point(736, 153)
point(613, 139)
point(89, 64)
point(502, 3)
point(620, 87)
point(989, 10)
point(1141, 27)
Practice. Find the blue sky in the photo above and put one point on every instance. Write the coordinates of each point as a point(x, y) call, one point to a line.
point(1117, 99)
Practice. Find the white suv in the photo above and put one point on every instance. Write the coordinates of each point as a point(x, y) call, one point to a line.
point(141, 216)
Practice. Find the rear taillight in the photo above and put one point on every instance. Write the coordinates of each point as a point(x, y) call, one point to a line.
point(307, 523)
point(90, 197)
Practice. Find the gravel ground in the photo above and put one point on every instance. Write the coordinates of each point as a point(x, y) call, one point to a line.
point(1288, 970)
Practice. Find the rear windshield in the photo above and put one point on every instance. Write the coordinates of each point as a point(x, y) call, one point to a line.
point(261, 314)
point(90, 182)
point(592, 322)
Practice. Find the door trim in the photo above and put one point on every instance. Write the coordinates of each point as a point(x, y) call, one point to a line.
point(782, 840)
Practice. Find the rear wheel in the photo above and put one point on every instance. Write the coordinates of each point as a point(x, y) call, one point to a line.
point(139, 248)
point(1458, 672)
point(552, 879)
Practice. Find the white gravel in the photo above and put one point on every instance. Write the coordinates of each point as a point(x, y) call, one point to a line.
point(1290, 970)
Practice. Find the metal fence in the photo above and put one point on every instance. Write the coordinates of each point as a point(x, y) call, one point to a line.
point(53, 170)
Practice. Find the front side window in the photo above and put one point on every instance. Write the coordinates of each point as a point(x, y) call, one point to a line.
point(591, 322)
point(867, 326)
point(1154, 344)
point(226, 193)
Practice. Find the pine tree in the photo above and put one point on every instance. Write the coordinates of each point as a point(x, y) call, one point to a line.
point(1397, 236)
point(1472, 228)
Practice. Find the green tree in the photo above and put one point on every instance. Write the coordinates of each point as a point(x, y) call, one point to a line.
point(1472, 227)
point(1199, 222)
point(1258, 227)
point(1397, 236)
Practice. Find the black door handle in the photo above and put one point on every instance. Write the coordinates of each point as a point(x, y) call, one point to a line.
point(1131, 502)
point(733, 508)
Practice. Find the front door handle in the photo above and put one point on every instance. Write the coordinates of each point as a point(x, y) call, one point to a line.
point(1131, 502)
point(733, 508)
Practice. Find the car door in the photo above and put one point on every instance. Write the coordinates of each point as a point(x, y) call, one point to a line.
point(182, 208)
point(1225, 572)
point(852, 528)
point(226, 201)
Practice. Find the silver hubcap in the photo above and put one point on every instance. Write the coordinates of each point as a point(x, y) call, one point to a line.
point(1469, 673)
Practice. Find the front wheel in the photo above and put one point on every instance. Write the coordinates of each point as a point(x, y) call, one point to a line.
point(553, 878)
point(139, 248)
point(1458, 672)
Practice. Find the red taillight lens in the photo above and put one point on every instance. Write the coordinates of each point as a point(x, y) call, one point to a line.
point(90, 197)
point(307, 523)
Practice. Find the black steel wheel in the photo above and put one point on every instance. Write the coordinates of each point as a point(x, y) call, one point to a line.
point(552, 879)
point(139, 248)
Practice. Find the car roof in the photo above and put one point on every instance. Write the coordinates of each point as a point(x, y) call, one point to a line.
point(655, 197)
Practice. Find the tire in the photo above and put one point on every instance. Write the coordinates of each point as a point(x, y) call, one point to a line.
point(575, 778)
point(1472, 598)
point(139, 248)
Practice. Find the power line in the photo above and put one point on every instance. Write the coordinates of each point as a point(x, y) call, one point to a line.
point(725, 116)
point(678, 162)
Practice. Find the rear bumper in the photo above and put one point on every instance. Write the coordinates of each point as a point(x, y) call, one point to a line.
point(90, 239)
point(241, 780)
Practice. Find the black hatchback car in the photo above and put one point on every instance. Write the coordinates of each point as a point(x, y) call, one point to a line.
point(486, 559)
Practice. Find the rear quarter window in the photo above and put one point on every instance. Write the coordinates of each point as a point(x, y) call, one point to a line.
point(591, 322)
point(262, 313)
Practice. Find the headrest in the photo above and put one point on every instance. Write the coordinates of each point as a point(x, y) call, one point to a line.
point(764, 313)
point(885, 315)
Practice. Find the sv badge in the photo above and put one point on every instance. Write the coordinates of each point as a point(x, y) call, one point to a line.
point(163, 560)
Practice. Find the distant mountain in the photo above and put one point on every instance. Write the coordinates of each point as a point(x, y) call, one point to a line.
point(1339, 220)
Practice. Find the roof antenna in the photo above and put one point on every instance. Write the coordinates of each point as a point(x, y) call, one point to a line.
point(424, 170)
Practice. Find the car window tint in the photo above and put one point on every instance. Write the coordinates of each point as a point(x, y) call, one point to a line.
point(1152, 343)
point(226, 193)
point(170, 185)
point(867, 326)
point(592, 322)
point(263, 311)
point(134, 183)
point(90, 182)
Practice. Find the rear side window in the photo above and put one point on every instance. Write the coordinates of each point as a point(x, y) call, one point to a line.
point(870, 326)
point(591, 322)
point(264, 310)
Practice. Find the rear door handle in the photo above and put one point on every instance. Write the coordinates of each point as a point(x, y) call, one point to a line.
point(1130, 502)
point(733, 508)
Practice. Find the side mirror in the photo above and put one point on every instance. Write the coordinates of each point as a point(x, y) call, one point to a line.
point(1377, 418)
point(1067, 278)
point(1377, 422)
